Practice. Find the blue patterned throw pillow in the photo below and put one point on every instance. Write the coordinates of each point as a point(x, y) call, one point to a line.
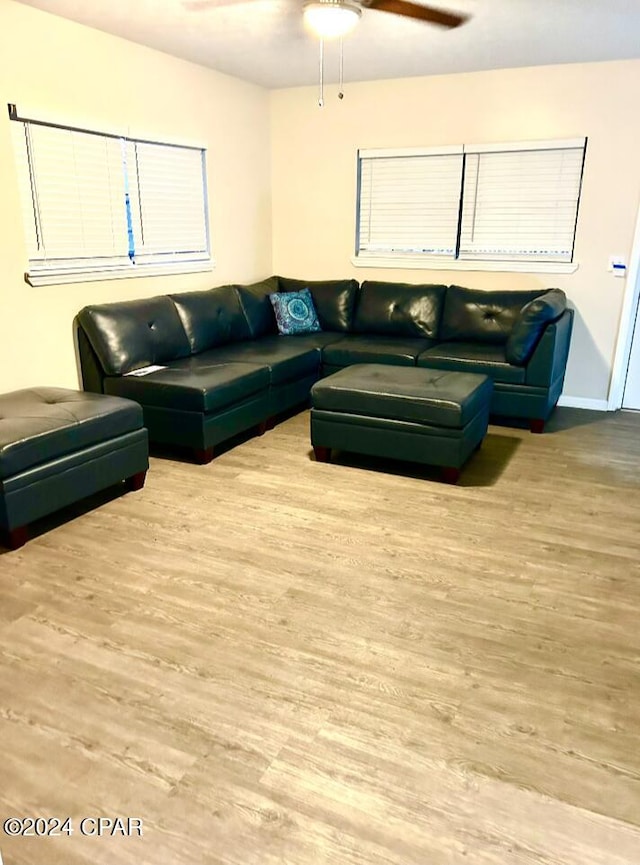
point(295, 312)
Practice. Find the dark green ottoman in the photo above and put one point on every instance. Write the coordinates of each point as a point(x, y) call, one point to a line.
point(410, 413)
point(58, 446)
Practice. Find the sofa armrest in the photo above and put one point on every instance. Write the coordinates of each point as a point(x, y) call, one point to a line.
point(549, 360)
point(91, 370)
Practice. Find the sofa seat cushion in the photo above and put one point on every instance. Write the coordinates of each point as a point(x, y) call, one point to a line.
point(41, 424)
point(193, 384)
point(425, 396)
point(312, 340)
point(286, 357)
point(481, 358)
point(360, 348)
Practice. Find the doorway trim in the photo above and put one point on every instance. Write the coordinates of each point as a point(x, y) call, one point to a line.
point(627, 322)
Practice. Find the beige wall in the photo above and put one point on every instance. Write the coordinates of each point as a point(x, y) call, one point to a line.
point(314, 178)
point(84, 77)
point(258, 143)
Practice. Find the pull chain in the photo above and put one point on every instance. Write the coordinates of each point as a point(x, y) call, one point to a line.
point(321, 93)
point(340, 89)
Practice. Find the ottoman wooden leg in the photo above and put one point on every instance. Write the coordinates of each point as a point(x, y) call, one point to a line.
point(135, 482)
point(450, 475)
point(322, 454)
point(536, 425)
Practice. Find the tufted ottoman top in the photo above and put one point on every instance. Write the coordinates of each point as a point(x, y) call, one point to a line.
point(405, 393)
point(43, 423)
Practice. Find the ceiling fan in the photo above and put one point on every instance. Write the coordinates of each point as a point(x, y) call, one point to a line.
point(334, 18)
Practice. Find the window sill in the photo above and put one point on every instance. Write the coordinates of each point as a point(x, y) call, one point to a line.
point(414, 262)
point(62, 277)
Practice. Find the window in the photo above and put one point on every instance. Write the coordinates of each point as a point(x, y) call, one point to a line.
point(514, 204)
point(96, 206)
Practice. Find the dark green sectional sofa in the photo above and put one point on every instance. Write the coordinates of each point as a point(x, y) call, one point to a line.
point(225, 368)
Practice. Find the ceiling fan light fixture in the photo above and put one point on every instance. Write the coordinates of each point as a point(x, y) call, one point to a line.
point(331, 19)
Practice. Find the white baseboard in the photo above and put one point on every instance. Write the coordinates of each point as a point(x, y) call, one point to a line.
point(583, 402)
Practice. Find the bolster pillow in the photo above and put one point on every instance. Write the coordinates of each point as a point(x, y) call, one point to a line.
point(530, 324)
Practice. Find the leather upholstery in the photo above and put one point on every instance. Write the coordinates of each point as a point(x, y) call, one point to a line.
point(52, 485)
point(419, 395)
point(399, 309)
point(334, 300)
point(531, 322)
point(395, 439)
point(257, 307)
point(197, 384)
point(358, 348)
point(548, 362)
point(483, 358)
point(176, 330)
point(313, 340)
point(38, 425)
point(211, 318)
point(285, 358)
point(134, 333)
point(473, 315)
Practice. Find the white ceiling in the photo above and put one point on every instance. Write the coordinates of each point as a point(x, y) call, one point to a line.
point(263, 41)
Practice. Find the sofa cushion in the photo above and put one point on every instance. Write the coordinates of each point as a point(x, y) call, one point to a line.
point(134, 333)
point(358, 348)
point(286, 358)
point(44, 423)
point(483, 358)
point(334, 299)
point(415, 395)
point(313, 340)
point(474, 315)
point(212, 317)
point(399, 309)
point(531, 322)
point(193, 384)
point(295, 312)
point(256, 305)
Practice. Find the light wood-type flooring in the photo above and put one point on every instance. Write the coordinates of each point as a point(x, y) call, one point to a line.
point(271, 660)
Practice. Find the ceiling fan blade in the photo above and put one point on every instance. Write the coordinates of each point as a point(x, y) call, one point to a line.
point(201, 5)
point(415, 10)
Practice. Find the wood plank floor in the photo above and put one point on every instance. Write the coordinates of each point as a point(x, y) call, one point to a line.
point(270, 660)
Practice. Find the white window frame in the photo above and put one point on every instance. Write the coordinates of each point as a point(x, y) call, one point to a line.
point(100, 206)
point(458, 259)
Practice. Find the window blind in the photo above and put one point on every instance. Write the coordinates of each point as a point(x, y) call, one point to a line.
point(521, 204)
point(409, 204)
point(515, 202)
point(169, 217)
point(72, 188)
point(96, 202)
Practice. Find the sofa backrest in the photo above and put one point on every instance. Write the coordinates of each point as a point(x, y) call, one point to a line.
point(334, 300)
point(474, 315)
point(255, 303)
point(134, 333)
point(399, 309)
point(212, 318)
